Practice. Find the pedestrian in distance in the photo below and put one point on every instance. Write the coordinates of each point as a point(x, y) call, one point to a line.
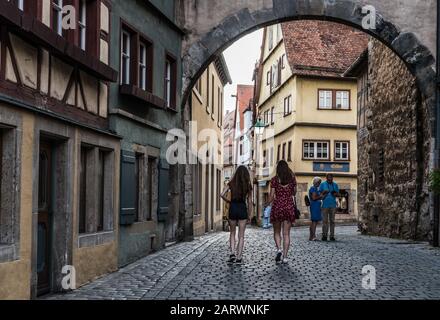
point(240, 211)
point(315, 200)
point(329, 191)
point(282, 200)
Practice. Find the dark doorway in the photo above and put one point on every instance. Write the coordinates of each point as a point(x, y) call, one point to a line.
point(45, 178)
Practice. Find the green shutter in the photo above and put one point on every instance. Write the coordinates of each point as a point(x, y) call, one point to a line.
point(128, 188)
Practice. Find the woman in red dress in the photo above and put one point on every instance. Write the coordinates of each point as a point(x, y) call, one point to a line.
point(282, 193)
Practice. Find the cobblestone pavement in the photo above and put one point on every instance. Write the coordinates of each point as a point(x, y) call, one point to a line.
point(317, 270)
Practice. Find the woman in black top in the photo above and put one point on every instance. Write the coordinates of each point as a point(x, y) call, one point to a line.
point(240, 212)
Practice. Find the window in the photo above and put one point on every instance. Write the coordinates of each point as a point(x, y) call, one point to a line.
point(289, 152)
point(264, 158)
point(82, 23)
point(95, 170)
point(208, 100)
point(342, 150)
point(143, 66)
point(198, 86)
point(212, 97)
point(136, 59)
point(125, 57)
point(170, 82)
point(266, 117)
point(288, 105)
point(284, 151)
point(241, 149)
point(276, 81)
point(57, 16)
point(334, 99)
point(342, 100)
point(279, 153)
point(283, 61)
point(316, 150)
point(272, 113)
point(268, 77)
point(19, 3)
point(270, 38)
point(219, 107)
point(325, 99)
point(152, 167)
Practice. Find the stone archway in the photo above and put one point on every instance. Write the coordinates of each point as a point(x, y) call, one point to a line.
point(212, 26)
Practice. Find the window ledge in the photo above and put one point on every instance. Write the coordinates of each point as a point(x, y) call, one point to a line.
point(35, 31)
point(95, 239)
point(8, 253)
point(333, 109)
point(133, 91)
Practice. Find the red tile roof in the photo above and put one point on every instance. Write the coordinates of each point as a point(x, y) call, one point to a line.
point(322, 48)
point(245, 93)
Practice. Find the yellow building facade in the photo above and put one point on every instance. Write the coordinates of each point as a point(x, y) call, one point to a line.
point(310, 116)
point(207, 146)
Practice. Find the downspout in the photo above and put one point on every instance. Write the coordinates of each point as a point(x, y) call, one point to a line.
point(436, 239)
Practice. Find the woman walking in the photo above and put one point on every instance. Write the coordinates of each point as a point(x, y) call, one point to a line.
point(315, 207)
point(240, 212)
point(282, 193)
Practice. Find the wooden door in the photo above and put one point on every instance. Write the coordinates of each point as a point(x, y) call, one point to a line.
point(44, 218)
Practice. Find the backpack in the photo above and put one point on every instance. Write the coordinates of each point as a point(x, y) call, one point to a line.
point(307, 200)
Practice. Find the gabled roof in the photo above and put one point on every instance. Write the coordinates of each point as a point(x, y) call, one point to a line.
point(322, 48)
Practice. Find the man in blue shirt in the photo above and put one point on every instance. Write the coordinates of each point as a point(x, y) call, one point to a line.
point(329, 190)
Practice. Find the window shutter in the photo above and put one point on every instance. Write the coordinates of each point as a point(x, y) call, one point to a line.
point(128, 188)
point(163, 208)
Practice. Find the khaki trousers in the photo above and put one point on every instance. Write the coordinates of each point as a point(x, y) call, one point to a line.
point(328, 218)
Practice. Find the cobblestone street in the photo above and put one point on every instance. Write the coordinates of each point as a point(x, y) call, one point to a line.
point(317, 270)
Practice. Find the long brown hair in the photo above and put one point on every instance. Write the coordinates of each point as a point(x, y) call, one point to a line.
point(240, 184)
point(284, 173)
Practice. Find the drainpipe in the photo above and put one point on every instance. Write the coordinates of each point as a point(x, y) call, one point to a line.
point(436, 239)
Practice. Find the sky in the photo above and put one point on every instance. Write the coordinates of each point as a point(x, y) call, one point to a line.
point(240, 58)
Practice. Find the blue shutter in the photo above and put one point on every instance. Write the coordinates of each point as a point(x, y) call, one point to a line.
point(128, 188)
point(163, 207)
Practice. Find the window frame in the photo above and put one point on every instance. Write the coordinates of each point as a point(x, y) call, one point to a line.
point(315, 151)
point(125, 58)
point(288, 107)
point(289, 151)
point(82, 24)
point(137, 40)
point(348, 150)
point(170, 93)
point(58, 7)
point(334, 93)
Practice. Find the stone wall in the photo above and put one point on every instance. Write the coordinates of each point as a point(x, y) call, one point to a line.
point(393, 151)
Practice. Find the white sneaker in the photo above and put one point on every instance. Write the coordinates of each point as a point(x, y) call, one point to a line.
point(285, 261)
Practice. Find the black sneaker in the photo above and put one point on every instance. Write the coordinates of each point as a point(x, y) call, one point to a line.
point(332, 239)
point(239, 261)
point(232, 258)
point(278, 257)
point(324, 239)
